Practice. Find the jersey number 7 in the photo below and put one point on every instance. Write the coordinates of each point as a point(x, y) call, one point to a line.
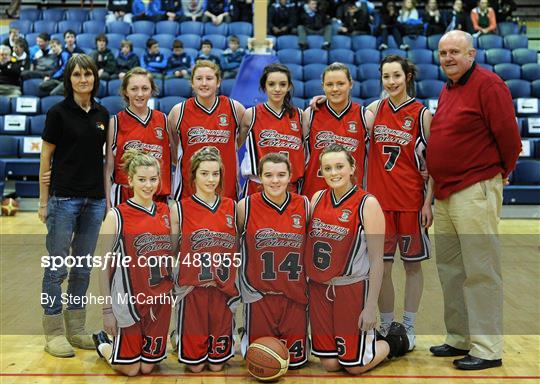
point(393, 151)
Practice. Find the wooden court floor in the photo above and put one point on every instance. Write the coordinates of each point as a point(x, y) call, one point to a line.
point(22, 359)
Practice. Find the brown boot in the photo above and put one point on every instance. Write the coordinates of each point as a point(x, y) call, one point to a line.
point(56, 343)
point(76, 333)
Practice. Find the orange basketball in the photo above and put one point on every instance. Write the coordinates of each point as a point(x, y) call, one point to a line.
point(10, 206)
point(267, 358)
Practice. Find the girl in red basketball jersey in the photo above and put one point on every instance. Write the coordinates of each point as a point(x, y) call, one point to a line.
point(396, 158)
point(274, 126)
point(338, 121)
point(141, 233)
point(344, 266)
point(206, 287)
point(206, 119)
point(141, 128)
point(273, 281)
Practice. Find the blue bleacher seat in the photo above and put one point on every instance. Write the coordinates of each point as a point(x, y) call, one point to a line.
point(298, 88)
point(93, 26)
point(26, 188)
point(393, 51)
point(53, 14)
point(31, 38)
point(368, 71)
point(21, 168)
point(168, 27)
point(433, 42)
point(113, 87)
point(218, 41)
point(341, 55)
point(519, 88)
point(516, 41)
point(415, 42)
point(357, 100)
point(24, 26)
point(119, 27)
point(164, 40)
point(367, 56)
point(527, 172)
point(29, 14)
point(341, 42)
point(227, 86)
point(427, 89)
point(313, 88)
point(102, 90)
point(290, 56)
point(507, 28)
point(364, 42)
point(240, 28)
point(427, 72)
point(436, 59)
point(74, 25)
point(48, 101)
point(87, 40)
point(356, 90)
point(480, 56)
point(315, 56)
point(287, 42)
point(243, 40)
point(177, 87)
point(16, 110)
point(370, 100)
point(353, 70)
point(523, 56)
point(314, 41)
point(76, 14)
point(166, 103)
point(490, 41)
point(114, 40)
point(143, 26)
point(536, 145)
point(530, 71)
point(370, 88)
point(30, 87)
point(58, 36)
point(5, 107)
point(420, 56)
point(193, 27)
point(313, 71)
point(138, 39)
point(489, 67)
point(297, 71)
point(98, 14)
point(508, 71)
point(8, 145)
point(37, 124)
point(212, 29)
point(47, 26)
point(190, 41)
point(498, 56)
point(535, 88)
point(299, 102)
point(191, 52)
point(114, 104)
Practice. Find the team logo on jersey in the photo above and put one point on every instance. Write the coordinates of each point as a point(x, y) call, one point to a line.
point(296, 221)
point(229, 220)
point(345, 215)
point(223, 120)
point(408, 123)
point(159, 133)
point(100, 126)
point(351, 126)
point(166, 221)
point(294, 126)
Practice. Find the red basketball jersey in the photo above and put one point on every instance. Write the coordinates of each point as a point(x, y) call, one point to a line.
point(273, 244)
point(272, 132)
point(210, 232)
point(328, 127)
point(145, 236)
point(150, 135)
point(396, 155)
point(198, 127)
point(336, 245)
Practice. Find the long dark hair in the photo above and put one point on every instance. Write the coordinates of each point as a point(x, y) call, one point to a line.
point(408, 68)
point(277, 67)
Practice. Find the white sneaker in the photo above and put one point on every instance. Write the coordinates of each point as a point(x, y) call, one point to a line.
point(382, 47)
point(411, 335)
point(383, 330)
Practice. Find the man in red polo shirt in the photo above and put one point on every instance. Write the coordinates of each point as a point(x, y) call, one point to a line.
point(473, 146)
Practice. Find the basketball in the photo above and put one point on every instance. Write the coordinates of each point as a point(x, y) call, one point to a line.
point(267, 359)
point(10, 206)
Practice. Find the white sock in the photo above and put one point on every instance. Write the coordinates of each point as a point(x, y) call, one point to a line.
point(387, 318)
point(409, 319)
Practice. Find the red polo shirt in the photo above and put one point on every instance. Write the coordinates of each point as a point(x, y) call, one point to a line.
point(474, 134)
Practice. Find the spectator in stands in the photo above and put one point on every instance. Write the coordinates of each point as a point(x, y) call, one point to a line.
point(41, 48)
point(147, 10)
point(504, 9)
point(282, 18)
point(409, 20)
point(356, 19)
point(104, 58)
point(389, 25)
point(173, 9)
point(20, 53)
point(10, 73)
point(459, 20)
point(127, 59)
point(313, 21)
point(242, 10)
point(436, 23)
point(52, 84)
point(153, 60)
point(206, 53)
point(179, 63)
point(69, 40)
point(217, 12)
point(232, 58)
point(483, 18)
point(14, 34)
point(193, 10)
point(119, 10)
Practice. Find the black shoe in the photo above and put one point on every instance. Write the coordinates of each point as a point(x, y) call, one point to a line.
point(471, 363)
point(446, 350)
point(326, 46)
point(303, 46)
point(100, 338)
